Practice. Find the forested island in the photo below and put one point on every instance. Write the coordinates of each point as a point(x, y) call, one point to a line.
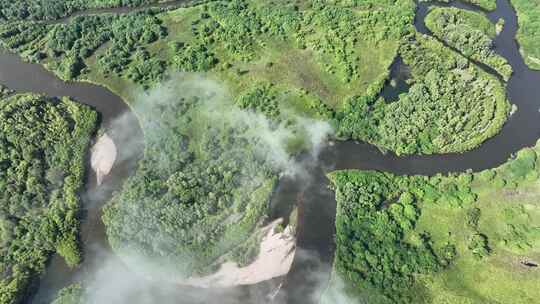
point(42, 158)
point(229, 95)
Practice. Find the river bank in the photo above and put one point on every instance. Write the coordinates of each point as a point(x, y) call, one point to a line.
point(276, 253)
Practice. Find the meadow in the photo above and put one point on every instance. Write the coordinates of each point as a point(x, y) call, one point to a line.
point(458, 238)
point(529, 26)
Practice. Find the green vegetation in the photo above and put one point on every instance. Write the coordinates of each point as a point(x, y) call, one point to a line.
point(452, 106)
point(488, 5)
point(323, 60)
point(238, 35)
point(4, 92)
point(528, 36)
point(203, 187)
point(470, 33)
point(375, 214)
point(461, 238)
point(64, 47)
point(52, 9)
point(73, 294)
point(42, 156)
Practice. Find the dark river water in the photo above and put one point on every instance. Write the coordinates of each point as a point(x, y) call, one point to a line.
point(312, 264)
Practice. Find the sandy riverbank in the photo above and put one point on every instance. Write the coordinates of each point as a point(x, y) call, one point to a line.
point(274, 260)
point(103, 155)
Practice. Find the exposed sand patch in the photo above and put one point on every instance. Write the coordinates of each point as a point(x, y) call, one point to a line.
point(274, 260)
point(103, 155)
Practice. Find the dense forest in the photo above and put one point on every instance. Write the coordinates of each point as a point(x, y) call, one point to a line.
point(375, 214)
point(487, 5)
point(64, 47)
point(43, 150)
point(53, 9)
point(201, 190)
point(469, 32)
point(452, 106)
point(441, 239)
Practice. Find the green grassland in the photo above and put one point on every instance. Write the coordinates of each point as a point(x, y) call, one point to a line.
point(308, 52)
point(43, 149)
point(528, 12)
point(461, 238)
point(470, 33)
point(327, 61)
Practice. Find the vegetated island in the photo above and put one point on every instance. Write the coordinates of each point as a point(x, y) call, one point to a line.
point(469, 32)
point(43, 148)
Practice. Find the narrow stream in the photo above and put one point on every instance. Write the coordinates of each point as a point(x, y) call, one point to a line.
point(317, 204)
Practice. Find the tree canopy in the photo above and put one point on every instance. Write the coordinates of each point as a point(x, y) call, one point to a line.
point(43, 146)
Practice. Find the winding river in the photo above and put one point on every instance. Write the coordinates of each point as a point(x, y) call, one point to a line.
point(521, 130)
point(316, 202)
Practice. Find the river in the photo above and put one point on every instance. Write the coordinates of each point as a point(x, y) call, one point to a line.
point(521, 130)
point(316, 202)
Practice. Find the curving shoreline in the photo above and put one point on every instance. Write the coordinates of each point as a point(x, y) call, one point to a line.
point(520, 131)
point(274, 260)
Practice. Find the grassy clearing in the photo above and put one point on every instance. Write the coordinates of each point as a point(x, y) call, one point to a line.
point(483, 229)
point(309, 48)
point(299, 56)
point(528, 12)
point(509, 218)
